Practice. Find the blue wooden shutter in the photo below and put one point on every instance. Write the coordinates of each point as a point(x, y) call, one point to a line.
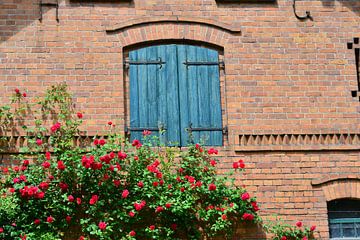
point(176, 94)
point(199, 87)
point(154, 100)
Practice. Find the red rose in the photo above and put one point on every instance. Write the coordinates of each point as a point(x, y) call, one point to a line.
point(136, 143)
point(131, 214)
point(47, 155)
point(60, 165)
point(159, 209)
point(37, 221)
point(122, 155)
point(71, 198)
point(102, 142)
point(23, 237)
point(213, 163)
point(23, 178)
point(102, 226)
point(182, 189)
point(26, 163)
point(245, 196)
point(79, 115)
point(64, 187)
point(39, 142)
point(173, 226)
point(125, 193)
point(78, 201)
point(50, 219)
point(16, 169)
point(17, 91)
point(224, 217)
point(304, 238)
point(312, 228)
point(168, 205)
point(81, 238)
point(68, 219)
point(299, 224)
point(116, 182)
point(212, 151)
point(12, 190)
point(241, 163)
point(136, 158)
point(132, 233)
point(140, 184)
point(96, 142)
point(146, 132)
point(94, 199)
point(24, 94)
point(152, 227)
point(212, 187)
point(1, 230)
point(5, 170)
point(248, 216)
point(283, 238)
point(236, 165)
point(191, 179)
point(45, 164)
point(110, 123)
point(44, 186)
point(40, 195)
point(155, 184)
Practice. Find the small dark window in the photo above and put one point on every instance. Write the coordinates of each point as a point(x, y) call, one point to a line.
point(344, 219)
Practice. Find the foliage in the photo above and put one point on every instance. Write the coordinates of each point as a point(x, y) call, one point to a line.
point(115, 189)
point(284, 231)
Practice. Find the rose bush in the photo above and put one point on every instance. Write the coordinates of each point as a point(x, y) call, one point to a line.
point(112, 188)
point(115, 189)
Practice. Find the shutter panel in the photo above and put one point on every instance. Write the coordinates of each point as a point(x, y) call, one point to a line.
point(199, 87)
point(154, 92)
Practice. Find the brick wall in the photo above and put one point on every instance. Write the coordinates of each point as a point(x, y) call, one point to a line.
point(282, 77)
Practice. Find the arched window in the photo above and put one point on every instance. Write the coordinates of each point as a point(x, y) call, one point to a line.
point(175, 92)
point(344, 219)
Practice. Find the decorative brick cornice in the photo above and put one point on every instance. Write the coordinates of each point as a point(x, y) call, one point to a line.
point(173, 19)
point(297, 142)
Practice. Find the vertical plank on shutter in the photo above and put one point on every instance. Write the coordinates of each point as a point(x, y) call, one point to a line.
point(151, 101)
point(171, 76)
point(183, 94)
point(193, 78)
point(134, 93)
point(169, 96)
point(215, 100)
point(143, 91)
point(203, 94)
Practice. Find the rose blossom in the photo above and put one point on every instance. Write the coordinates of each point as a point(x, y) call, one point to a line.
point(102, 226)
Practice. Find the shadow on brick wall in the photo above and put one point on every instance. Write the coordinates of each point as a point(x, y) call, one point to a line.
point(15, 15)
point(353, 5)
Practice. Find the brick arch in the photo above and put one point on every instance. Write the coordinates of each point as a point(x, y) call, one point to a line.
point(338, 189)
point(172, 31)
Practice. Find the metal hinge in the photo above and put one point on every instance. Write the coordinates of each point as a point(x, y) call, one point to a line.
point(188, 63)
point(56, 5)
point(159, 61)
point(191, 129)
point(161, 128)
